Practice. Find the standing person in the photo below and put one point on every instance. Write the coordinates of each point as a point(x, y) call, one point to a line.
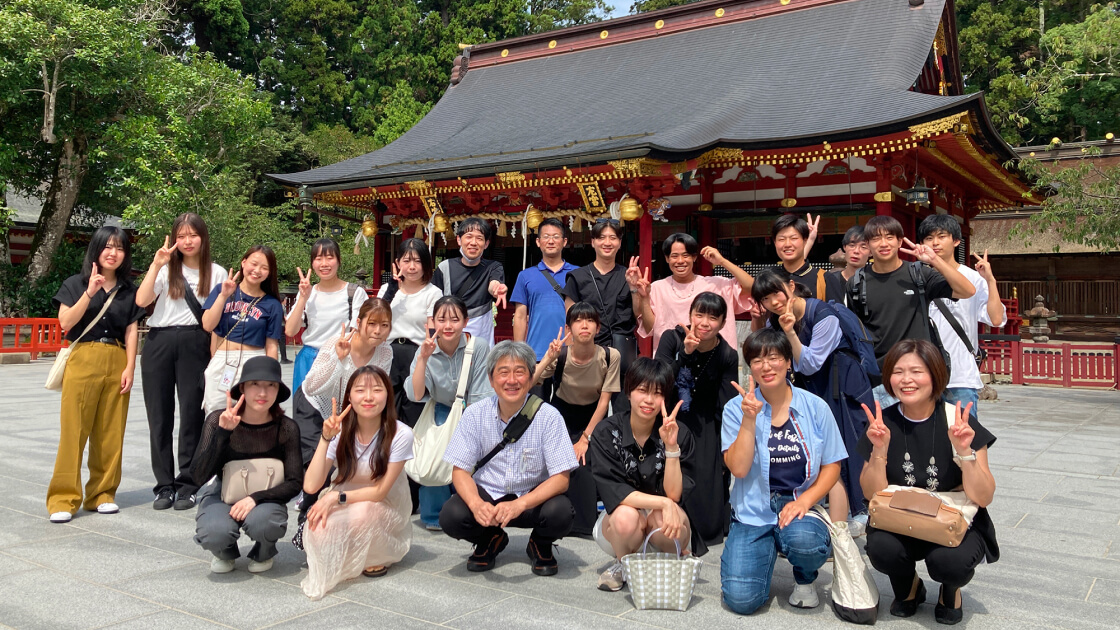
point(603, 284)
point(793, 239)
point(479, 283)
point(251, 426)
point(322, 307)
point(824, 364)
point(856, 252)
point(917, 429)
point(522, 483)
point(784, 450)
point(957, 321)
point(643, 462)
point(583, 376)
point(538, 294)
point(887, 297)
point(435, 375)
point(670, 299)
point(175, 353)
point(246, 318)
point(361, 525)
point(98, 377)
point(704, 366)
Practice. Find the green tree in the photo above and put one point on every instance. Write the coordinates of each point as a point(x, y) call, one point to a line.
point(1083, 205)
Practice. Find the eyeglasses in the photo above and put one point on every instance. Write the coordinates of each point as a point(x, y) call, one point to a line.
point(774, 360)
point(550, 237)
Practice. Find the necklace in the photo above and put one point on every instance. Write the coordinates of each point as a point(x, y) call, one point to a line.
point(673, 288)
point(931, 470)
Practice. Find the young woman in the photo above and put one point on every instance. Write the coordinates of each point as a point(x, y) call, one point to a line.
point(176, 351)
point(642, 461)
point(705, 366)
point(247, 320)
point(322, 307)
point(784, 450)
point(588, 379)
point(346, 353)
point(361, 525)
point(824, 364)
point(900, 441)
point(435, 375)
point(251, 426)
point(98, 377)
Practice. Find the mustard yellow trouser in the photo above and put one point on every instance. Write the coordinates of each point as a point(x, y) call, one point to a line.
point(94, 410)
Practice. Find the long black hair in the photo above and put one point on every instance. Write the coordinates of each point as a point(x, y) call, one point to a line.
point(270, 285)
point(346, 457)
point(101, 238)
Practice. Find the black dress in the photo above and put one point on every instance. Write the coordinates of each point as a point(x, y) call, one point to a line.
point(704, 379)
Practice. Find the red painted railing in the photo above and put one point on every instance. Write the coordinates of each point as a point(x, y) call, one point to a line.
point(33, 335)
point(1060, 364)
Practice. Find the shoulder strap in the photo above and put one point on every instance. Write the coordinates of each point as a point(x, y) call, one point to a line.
point(464, 374)
point(514, 430)
point(941, 306)
point(857, 290)
point(561, 361)
point(445, 271)
point(192, 301)
point(96, 318)
point(350, 289)
point(552, 280)
point(608, 351)
point(915, 269)
point(821, 288)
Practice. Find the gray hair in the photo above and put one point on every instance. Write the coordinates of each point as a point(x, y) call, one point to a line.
point(517, 350)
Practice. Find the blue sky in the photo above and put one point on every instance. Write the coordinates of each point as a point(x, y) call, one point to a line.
point(621, 7)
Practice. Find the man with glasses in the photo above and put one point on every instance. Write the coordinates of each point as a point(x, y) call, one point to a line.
point(538, 294)
point(856, 253)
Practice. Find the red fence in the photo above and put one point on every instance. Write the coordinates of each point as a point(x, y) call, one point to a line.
point(1060, 364)
point(32, 335)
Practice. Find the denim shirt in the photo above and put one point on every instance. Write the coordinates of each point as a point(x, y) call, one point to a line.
point(820, 437)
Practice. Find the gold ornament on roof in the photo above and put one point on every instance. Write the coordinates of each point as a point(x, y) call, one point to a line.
point(629, 208)
point(369, 228)
point(533, 217)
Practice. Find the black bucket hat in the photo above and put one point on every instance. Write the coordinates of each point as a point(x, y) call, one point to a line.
point(262, 369)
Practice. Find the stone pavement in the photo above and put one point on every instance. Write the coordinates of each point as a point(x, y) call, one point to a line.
point(1057, 513)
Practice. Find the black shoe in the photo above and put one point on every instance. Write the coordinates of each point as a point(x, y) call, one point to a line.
point(540, 552)
point(943, 614)
point(485, 556)
point(164, 498)
point(908, 607)
point(185, 503)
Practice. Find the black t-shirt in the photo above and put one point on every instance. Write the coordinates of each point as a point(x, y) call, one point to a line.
point(787, 461)
point(834, 287)
point(707, 376)
point(806, 276)
point(472, 284)
point(894, 308)
point(610, 294)
point(620, 466)
point(114, 323)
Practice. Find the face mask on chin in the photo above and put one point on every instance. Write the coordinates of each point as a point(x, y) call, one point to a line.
point(469, 261)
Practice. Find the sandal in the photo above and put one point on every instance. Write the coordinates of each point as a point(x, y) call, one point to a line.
point(376, 572)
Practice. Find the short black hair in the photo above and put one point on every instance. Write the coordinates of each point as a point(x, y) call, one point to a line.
point(101, 239)
point(939, 223)
point(652, 373)
point(768, 283)
point(325, 247)
point(882, 224)
point(788, 220)
point(598, 226)
point(764, 341)
point(691, 247)
point(452, 302)
point(419, 249)
point(708, 303)
point(583, 310)
point(475, 223)
point(853, 235)
point(553, 222)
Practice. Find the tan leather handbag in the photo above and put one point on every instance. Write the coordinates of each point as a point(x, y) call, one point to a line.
point(942, 518)
point(243, 477)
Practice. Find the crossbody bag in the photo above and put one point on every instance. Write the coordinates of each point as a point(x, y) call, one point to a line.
point(58, 368)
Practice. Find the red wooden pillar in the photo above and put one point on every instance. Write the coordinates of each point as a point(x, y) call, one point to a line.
point(380, 246)
point(645, 257)
point(883, 185)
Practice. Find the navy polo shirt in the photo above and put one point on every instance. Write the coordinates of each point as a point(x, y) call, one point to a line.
point(546, 307)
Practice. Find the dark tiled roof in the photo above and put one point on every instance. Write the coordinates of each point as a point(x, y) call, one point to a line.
point(804, 75)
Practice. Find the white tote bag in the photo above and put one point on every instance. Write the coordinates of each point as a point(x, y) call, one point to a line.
point(58, 368)
point(427, 467)
point(855, 597)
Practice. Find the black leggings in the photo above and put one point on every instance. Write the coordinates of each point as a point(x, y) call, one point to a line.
point(895, 555)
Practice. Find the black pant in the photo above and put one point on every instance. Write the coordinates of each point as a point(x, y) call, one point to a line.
point(310, 423)
point(549, 521)
point(404, 350)
point(581, 485)
point(627, 346)
point(895, 555)
point(174, 359)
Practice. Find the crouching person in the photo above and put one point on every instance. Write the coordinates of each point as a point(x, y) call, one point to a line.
point(501, 481)
point(251, 427)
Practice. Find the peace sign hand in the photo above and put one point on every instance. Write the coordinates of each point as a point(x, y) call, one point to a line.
point(342, 347)
point(669, 427)
point(304, 283)
point(962, 433)
point(983, 267)
point(633, 273)
point(788, 318)
point(95, 281)
point(229, 285)
point(500, 292)
point(923, 253)
point(814, 227)
point(333, 425)
point(691, 341)
point(230, 418)
point(398, 275)
point(877, 432)
point(163, 254)
point(428, 347)
point(556, 345)
point(751, 405)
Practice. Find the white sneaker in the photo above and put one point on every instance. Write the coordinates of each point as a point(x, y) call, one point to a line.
point(220, 565)
point(856, 528)
point(61, 517)
point(804, 596)
point(613, 579)
point(260, 567)
point(108, 508)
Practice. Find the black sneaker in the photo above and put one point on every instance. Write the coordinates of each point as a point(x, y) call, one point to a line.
point(485, 556)
point(540, 552)
point(164, 498)
point(185, 503)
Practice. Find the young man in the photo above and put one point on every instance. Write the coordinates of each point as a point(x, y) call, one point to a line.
point(856, 252)
point(885, 297)
point(603, 284)
point(670, 298)
point(523, 484)
point(538, 294)
point(477, 282)
point(942, 233)
point(793, 238)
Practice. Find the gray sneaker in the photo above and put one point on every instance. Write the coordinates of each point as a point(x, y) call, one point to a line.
point(613, 579)
point(804, 596)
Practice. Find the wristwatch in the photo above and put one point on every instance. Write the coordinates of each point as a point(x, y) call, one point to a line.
point(673, 454)
point(971, 457)
point(341, 498)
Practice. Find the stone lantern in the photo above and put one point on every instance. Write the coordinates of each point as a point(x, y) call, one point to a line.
point(1039, 317)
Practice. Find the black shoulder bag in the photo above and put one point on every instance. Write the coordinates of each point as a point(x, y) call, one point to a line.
point(514, 430)
point(552, 280)
point(978, 353)
point(192, 302)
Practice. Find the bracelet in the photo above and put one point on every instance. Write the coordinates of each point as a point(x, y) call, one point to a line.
point(585, 436)
point(673, 454)
point(882, 457)
point(88, 295)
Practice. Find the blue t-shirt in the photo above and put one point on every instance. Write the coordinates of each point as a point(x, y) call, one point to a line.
point(787, 462)
point(264, 318)
point(546, 308)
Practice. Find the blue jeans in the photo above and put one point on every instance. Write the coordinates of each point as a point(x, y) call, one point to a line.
point(304, 360)
point(747, 565)
point(432, 498)
point(964, 395)
point(885, 399)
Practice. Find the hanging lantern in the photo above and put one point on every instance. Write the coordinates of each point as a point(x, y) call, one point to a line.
point(336, 230)
point(919, 194)
point(369, 228)
point(629, 208)
point(533, 217)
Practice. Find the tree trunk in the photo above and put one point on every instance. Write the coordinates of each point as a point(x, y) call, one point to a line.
point(57, 206)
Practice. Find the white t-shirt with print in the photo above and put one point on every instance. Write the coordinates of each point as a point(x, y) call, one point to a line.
point(169, 312)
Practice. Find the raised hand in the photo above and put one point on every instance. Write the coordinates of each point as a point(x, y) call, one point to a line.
point(923, 253)
point(556, 345)
point(690, 341)
point(788, 318)
point(304, 283)
point(95, 282)
point(983, 268)
point(398, 275)
point(499, 294)
point(429, 346)
point(229, 285)
point(751, 405)
point(669, 428)
point(163, 254)
point(877, 432)
point(712, 255)
point(814, 227)
point(962, 433)
point(633, 272)
point(231, 417)
point(333, 425)
point(343, 346)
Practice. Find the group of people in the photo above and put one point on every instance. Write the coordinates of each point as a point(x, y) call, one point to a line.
point(564, 430)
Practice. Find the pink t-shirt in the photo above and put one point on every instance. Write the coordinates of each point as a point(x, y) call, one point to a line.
point(671, 301)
